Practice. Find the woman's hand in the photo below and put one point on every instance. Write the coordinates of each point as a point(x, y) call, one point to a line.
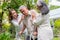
point(22, 17)
point(20, 32)
point(33, 16)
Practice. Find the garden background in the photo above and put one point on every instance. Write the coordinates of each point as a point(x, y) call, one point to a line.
point(7, 30)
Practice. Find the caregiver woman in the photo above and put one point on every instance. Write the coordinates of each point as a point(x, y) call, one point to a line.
point(42, 21)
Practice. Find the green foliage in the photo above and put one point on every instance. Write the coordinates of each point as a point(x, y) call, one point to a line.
point(5, 36)
point(56, 32)
point(16, 3)
point(0, 18)
point(56, 38)
point(57, 23)
point(6, 27)
point(54, 7)
point(5, 22)
point(4, 5)
point(57, 27)
point(46, 1)
point(0, 13)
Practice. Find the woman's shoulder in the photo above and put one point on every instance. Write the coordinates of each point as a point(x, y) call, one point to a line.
point(12, 21)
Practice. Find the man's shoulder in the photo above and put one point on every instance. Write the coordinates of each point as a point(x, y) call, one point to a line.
point(20, 14)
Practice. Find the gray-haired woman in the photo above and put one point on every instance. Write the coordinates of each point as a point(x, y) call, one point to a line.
point(42, 21)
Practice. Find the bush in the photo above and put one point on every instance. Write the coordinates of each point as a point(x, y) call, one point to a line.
point(57, 27)
point(5, 36)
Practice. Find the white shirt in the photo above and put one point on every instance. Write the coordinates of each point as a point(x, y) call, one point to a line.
point(44, 28)
point(16, 23)
point(28, 22)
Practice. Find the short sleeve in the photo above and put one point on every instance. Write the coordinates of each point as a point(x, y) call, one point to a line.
point(14, 23)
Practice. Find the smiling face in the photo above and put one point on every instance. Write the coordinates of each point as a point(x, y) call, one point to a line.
point(24, 11)
point(14, 14)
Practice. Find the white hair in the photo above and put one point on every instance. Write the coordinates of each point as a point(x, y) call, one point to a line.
point(22, 7)
point(39, 2)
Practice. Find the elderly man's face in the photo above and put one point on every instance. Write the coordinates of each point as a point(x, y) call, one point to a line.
point(24, 11)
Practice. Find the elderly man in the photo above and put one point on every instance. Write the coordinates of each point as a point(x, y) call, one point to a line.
point(27, 22)
point(42, 21)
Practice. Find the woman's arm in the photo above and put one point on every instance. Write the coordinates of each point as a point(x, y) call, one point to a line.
point(24, 26)
point(39, 20)
point(22, 17)
point(35, 31)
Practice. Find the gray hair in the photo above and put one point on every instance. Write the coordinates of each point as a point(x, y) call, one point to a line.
point(22, 7)
point(39, 2)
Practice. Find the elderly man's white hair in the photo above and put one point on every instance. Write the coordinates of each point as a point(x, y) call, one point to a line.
point(22, 7)
point(39, 2)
